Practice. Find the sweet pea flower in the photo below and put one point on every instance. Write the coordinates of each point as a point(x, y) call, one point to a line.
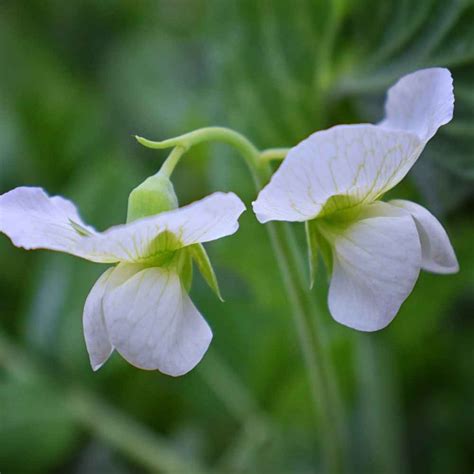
point(334, 180)
point(139, 307)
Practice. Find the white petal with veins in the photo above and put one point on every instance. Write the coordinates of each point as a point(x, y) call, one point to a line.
point(349, 165)
point(356, 162)
point(34, 220)
point(211, 218)
point(152, 322)
point(376, 262)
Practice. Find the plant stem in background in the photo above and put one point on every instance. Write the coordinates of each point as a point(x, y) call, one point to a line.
point(323, 385)
point(255, 427)
point(379, 408)
point(126, 434)
point(169, 165)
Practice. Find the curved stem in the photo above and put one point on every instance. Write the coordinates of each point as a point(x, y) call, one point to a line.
point(274, 154)
point(315, 352)
point(219, 134)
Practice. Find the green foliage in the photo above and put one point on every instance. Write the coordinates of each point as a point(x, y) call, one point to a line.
point(36, 430)
point(306, 68)
point(80, 78)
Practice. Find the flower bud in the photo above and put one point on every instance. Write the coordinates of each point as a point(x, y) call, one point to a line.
point(156, 194)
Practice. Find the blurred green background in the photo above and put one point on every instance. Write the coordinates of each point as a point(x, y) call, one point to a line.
point(78, 80)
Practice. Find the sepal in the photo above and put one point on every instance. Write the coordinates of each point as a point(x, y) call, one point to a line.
point(317, 245)
point(204, 265)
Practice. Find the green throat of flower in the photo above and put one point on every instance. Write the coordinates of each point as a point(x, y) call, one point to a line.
point(339, 212)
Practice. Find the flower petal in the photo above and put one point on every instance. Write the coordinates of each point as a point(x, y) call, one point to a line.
point(152, 322)
point(437, 253)
point(95, 333)
point(210, 218)
point(420, 102)
point(376, 262)
point(33, 220)
point(349, 164)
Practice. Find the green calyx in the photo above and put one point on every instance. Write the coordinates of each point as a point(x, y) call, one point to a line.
point(156, 194)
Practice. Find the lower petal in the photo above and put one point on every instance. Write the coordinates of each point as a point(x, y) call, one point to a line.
point(376, 264)
point(153, 323)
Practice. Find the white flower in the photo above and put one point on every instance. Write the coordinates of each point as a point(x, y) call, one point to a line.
point(333, 181)
point(141, 306)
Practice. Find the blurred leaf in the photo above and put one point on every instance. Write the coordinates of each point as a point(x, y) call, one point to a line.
point(436, 33)
point(313, 78)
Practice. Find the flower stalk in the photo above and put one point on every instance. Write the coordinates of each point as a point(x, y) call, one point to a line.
point(169, 165)
point(215, 134)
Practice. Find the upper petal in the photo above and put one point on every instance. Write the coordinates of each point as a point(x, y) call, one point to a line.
point(352, 164)
point(152, 322)
point(211, 218)
point(95, 332)
point(436, 250)
point(376, 262)
point(349, 165)
point(420, 102)
point(33, 220)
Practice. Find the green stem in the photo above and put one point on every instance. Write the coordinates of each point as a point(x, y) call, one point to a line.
point(307, 319)
point(378, 393)
point(273, 154)
point(315, 352)
point(215, 134)
point(170, 163)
